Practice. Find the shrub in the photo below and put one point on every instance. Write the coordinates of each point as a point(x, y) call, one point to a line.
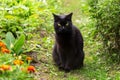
point(107, 16)
point(25, 16)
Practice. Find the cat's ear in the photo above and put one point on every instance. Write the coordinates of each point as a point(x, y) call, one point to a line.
point(69, 16)
point(56, 17)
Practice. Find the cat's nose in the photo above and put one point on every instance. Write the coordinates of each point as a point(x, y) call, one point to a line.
point(63, 27)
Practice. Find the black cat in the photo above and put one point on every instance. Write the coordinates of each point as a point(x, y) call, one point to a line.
point(68, 49)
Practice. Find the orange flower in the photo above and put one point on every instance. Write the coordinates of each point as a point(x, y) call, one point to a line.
point(28, 58)
point(5, 67)
point(31, 69)
point(18, 62)
point(4, 50)
point(2, 44)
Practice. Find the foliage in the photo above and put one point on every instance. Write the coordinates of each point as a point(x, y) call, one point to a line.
point(20, 17)
point(107, 15)
point(15, 67)
point(16, 72)
point(23, 16)
point(33, 18)
point(14, 45)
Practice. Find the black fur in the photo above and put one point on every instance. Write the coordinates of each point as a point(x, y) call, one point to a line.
point(68, 51)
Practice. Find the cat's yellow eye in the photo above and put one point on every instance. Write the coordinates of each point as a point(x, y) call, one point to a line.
point(67, 24)
point(59, 24)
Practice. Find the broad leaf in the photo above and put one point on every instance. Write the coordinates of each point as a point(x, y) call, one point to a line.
point(18, 44)
point(9, 40)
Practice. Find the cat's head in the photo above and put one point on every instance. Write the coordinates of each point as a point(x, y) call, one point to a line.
point(63, 23)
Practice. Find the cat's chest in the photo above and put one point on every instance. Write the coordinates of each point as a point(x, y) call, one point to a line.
point(67, 47)
point(66, 43)
point(66, 50)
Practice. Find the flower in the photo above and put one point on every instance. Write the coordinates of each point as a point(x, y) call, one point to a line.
point(2, 44)
point(5, 67)
point(28, 58)
point(18, 62)
point(4, 50)
point(31, 69)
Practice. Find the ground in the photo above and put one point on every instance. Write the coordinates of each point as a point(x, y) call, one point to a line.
point(95, 67)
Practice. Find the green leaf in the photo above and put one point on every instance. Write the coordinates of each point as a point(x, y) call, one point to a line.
point(18, 44)
point(9, 40)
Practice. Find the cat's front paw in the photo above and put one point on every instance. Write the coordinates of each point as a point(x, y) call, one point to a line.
point(61, 67)
point(67, 69)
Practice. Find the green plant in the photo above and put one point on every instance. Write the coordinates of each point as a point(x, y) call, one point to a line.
point(14, 45)
point(25, 16)
point(106, 13)
point(14, 72)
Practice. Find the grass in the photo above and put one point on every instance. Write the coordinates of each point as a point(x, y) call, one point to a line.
point(95, 68)
point(41, 42)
